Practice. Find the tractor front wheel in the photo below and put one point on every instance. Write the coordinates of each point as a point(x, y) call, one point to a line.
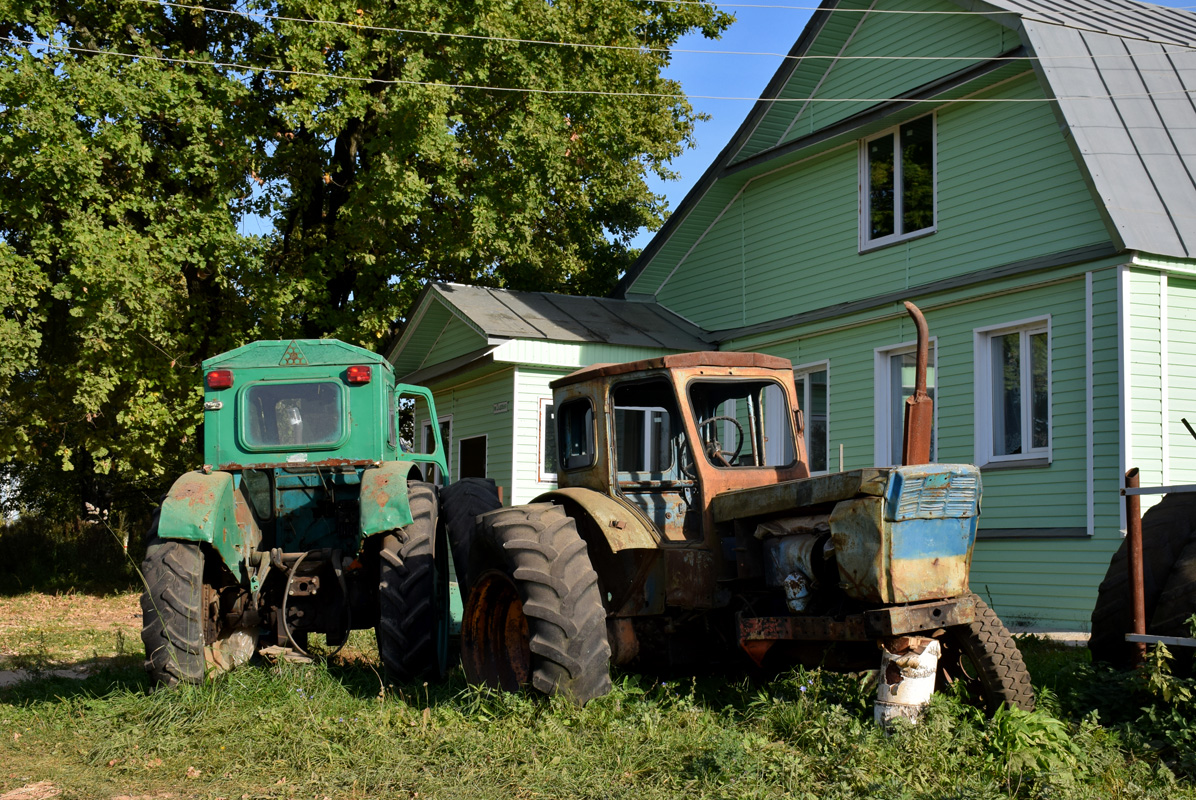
point(984, 656)
point(535, 614)
point(413, 601)
point(172, 611)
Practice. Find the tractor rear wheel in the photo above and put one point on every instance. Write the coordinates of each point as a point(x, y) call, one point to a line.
point(1167, 528)
point(413, 616)
point(461, 504)
point(535, 614)
point(984, 656)
point(172, 611)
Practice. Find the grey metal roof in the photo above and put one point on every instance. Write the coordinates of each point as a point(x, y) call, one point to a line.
point(1121, 73)
point(504, 314)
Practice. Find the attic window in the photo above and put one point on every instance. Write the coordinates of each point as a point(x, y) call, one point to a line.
point(897, 182)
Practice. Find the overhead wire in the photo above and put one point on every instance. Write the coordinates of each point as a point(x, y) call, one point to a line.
point(362, 27)
point(579, 92)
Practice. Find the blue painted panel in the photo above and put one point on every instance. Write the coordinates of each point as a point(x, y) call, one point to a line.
point(932, 538)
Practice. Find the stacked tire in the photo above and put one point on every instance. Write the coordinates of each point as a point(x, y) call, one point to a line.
point(1168, 578)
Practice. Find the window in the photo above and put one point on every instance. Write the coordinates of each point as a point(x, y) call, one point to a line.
point(1013, 392)
point(895, 376)
point(547, 441)
point(897, 182)
point(428, 440)
point(291, 416)
point(471, 457)
point(575, 434)
point(731, 416)
point(812, 399)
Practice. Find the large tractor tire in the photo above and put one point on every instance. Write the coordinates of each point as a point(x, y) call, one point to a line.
point(985, 657)
point(535, 614)
point(460, 505)
point(1167, 529)
point(413, 616)
point(172, 611)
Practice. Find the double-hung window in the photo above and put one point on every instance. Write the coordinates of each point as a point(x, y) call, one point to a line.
point(896, 378)
point(1013, 392)
point(897, 184)
point(812, 399)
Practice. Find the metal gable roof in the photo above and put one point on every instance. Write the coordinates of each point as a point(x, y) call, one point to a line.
point(1121, 73)
point(505, 314)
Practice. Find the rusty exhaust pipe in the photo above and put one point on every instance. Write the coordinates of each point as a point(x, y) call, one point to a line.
point(919, 408)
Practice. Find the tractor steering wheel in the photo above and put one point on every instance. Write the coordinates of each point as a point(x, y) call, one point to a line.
point(714, 449)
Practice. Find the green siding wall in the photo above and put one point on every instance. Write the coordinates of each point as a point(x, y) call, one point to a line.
point(1043, 581)
point(890, 35)
point(1008, 189)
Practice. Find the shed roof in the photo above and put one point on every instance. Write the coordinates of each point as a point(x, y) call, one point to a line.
point(499, 314)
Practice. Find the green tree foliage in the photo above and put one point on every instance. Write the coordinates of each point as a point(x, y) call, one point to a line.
point(125, 182)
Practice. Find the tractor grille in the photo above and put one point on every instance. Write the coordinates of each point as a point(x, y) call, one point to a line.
point(949, 494)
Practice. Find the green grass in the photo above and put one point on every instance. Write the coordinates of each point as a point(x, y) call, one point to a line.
point(337, 730)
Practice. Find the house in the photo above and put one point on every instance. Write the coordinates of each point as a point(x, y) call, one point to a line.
point(1023, 170)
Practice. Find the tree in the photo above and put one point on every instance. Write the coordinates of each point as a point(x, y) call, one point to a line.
point(124, 180)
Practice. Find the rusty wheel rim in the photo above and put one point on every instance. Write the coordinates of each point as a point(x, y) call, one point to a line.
point(495, 643)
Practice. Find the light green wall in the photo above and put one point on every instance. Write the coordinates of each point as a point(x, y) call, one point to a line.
point(471, 405)
point(1145, 382)
point(531, 386)
point(1008, 189)
point(1181, 386)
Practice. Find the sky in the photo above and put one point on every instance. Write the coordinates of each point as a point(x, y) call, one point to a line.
point(756, 30)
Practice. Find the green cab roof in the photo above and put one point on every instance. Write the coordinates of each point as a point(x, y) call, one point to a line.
point(295, 353)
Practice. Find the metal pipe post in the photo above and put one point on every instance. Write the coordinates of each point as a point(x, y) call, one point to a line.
point(1133, 533)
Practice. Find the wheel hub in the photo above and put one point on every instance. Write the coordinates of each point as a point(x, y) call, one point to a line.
point(495, 642)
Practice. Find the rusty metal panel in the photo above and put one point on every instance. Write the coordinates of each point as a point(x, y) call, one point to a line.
point(791, 495)
point(823, 629)
point(384, 504)
point(858, 533)
point(897, 620)
point(620, 522)
point(690, 577)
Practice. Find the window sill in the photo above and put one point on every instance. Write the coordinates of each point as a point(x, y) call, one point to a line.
point(880, 244)
point(1021, 463)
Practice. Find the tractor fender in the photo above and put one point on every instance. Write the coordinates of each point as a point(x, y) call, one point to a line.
point(384, 505)
point(621, 523)
point(203, 507)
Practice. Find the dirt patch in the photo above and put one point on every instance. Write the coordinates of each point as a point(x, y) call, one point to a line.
point(42, 790)
point(58, 631)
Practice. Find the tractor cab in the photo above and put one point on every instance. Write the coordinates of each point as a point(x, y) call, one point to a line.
point(298, 423)
point(681, 429)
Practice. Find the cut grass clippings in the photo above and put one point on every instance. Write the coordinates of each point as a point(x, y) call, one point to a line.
point(335, 729)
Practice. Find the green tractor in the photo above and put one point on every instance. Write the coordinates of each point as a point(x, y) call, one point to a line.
point(308, 516)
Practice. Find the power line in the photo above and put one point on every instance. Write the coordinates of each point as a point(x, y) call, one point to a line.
point(579, 92)
point(360, 27)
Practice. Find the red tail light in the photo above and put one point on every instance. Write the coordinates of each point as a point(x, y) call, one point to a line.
point(358, 375)
point(220, 379)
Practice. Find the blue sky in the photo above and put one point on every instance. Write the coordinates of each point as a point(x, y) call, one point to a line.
point(770, 30)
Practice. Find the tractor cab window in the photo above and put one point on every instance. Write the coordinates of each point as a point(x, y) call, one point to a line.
point(733, 421)
point(647, 429)
point(288, 416)
point(575, 434)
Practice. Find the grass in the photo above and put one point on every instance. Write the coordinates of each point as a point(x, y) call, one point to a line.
point(336, 729)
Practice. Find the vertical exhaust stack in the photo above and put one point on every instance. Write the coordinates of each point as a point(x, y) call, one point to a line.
point(919, 408)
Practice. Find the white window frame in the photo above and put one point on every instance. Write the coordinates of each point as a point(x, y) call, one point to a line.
point(883, 410)
point(446, 442)
point(485, 452)
point(865, 175)
point(983, 421)
point(803, 400)
point(542, 441)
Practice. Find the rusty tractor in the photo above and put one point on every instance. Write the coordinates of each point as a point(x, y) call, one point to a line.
point(686, 529)
point(307, 517)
